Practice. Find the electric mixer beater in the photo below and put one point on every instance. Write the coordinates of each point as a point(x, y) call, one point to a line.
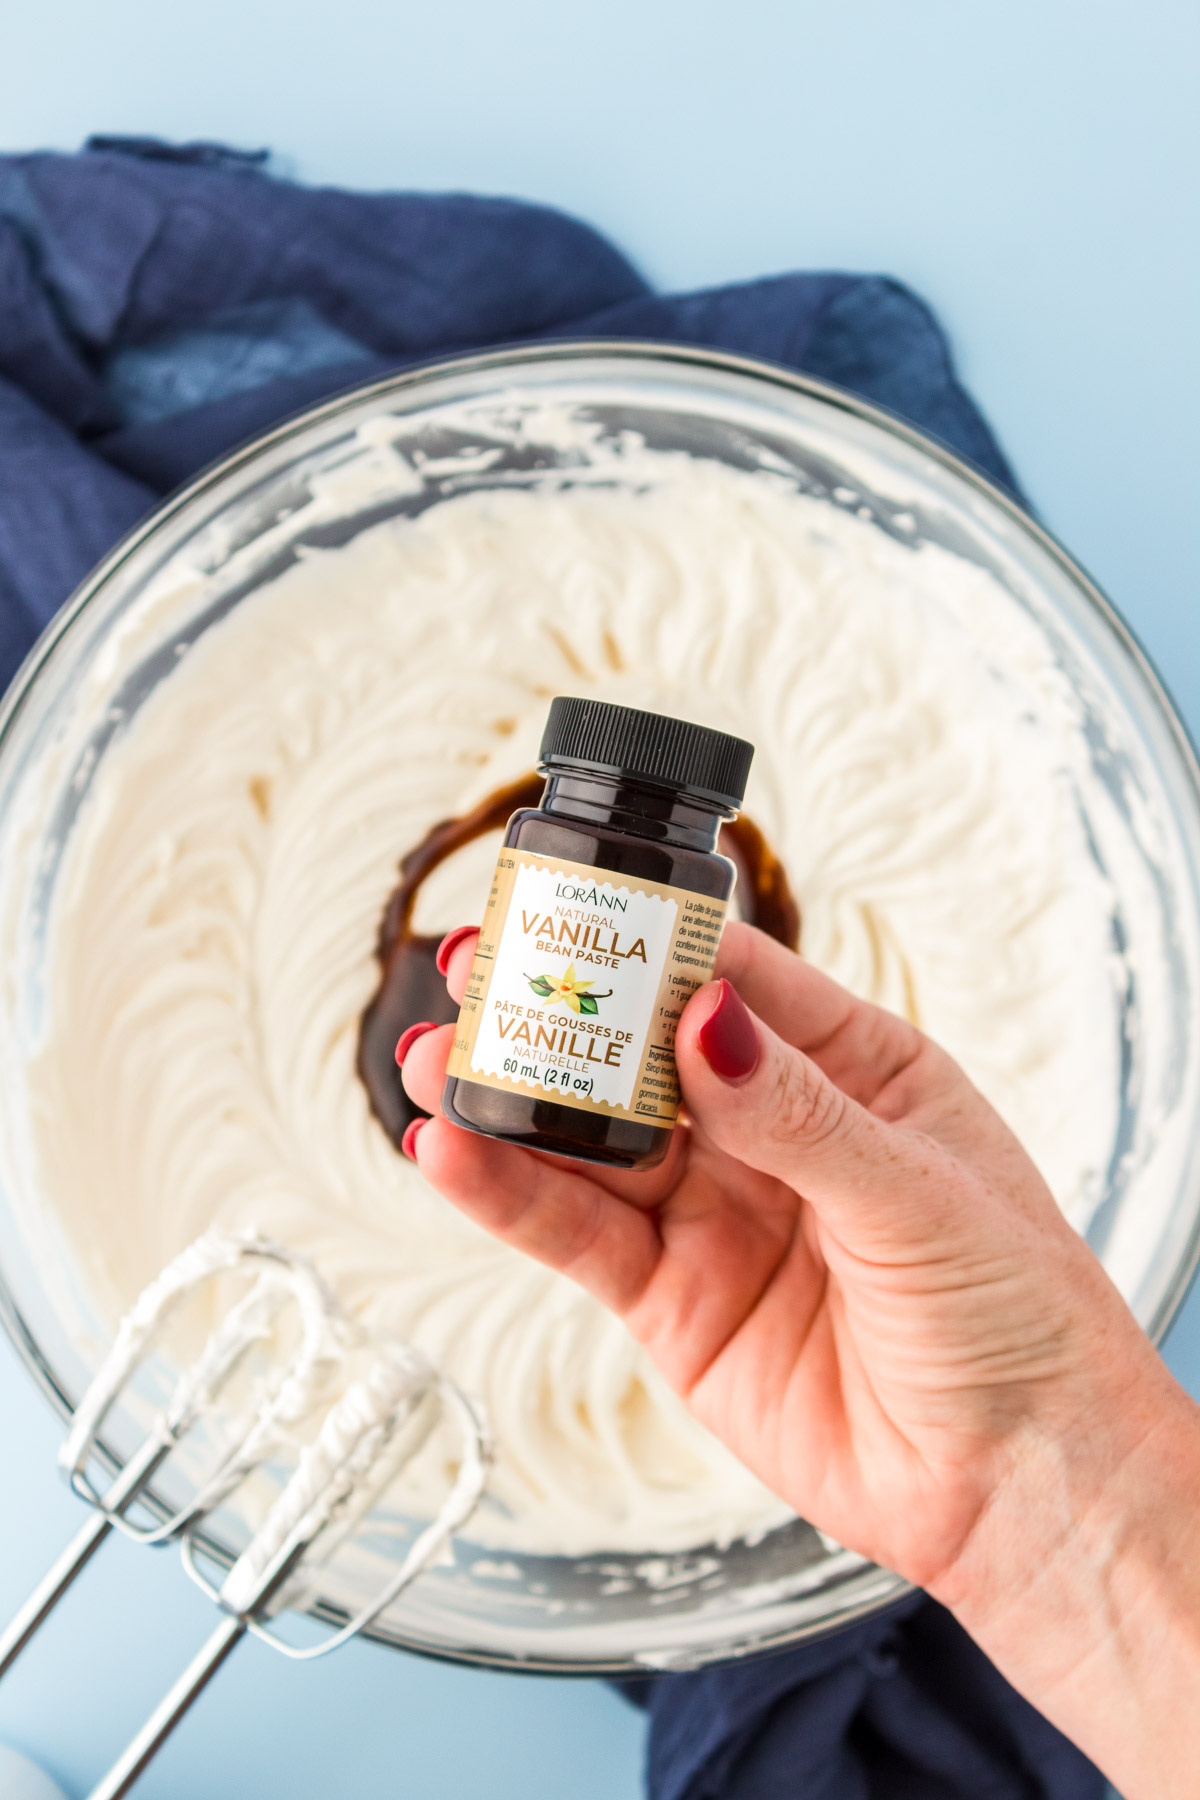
point(368, 1435)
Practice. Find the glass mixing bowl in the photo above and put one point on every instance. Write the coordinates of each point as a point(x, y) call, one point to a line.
point(409, 443)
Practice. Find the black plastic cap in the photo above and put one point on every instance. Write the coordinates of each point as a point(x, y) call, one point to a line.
point(646, 746)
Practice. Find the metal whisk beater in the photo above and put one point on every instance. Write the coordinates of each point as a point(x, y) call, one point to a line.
point(376, 1426)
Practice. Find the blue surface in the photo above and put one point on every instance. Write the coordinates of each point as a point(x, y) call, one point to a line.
point(1029, 167)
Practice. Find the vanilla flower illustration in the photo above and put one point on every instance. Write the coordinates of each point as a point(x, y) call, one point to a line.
point(567, 989)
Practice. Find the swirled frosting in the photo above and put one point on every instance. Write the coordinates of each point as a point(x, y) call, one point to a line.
point(214, 925)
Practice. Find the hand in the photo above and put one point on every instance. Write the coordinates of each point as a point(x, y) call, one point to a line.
point(847, 1266)
point(855, 1276)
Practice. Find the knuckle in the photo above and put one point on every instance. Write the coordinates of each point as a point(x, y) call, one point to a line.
point(889, 1044)
point(806, 1105)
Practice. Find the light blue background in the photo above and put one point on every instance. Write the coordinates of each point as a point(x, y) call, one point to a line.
point(1031, 167)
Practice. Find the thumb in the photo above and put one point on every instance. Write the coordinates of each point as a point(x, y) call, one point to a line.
point(767, 1104)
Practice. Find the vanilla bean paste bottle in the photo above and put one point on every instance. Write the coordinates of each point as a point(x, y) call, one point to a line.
point(603, 919)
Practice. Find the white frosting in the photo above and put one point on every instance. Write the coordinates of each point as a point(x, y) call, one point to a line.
point(365, 1440)
point(215, 922)
point(288, 1396)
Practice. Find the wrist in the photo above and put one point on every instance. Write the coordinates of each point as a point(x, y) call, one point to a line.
point(1081, 1579)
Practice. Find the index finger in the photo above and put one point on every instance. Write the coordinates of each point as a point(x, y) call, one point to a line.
point(546, 1207)
point(456, 953)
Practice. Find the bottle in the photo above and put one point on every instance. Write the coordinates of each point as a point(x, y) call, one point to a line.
point(603, 919)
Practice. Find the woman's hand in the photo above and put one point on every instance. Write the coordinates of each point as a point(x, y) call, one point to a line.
point(847, 1266)
point(856, 1278)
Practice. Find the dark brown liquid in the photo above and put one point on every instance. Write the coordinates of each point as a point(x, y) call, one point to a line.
point(410, 988)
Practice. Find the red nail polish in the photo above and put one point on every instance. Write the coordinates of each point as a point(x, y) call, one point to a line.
point(729, 1036)
point(408, 1143)
point(408, 1038)
point(449, 945)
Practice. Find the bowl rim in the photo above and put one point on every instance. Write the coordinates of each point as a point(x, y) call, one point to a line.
point(646, 352)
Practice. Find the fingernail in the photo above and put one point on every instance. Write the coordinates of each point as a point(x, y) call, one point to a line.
point(449, 945)
point(729, 1037)
point(408, 1038)
point(408, 1143)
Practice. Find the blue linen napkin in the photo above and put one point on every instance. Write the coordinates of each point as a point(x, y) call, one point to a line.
point(158, 304)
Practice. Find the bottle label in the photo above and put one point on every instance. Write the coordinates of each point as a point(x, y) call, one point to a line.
point(578, 983)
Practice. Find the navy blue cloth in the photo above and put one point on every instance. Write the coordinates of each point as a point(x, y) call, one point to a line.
point(904, 1707)
point(160, 303)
